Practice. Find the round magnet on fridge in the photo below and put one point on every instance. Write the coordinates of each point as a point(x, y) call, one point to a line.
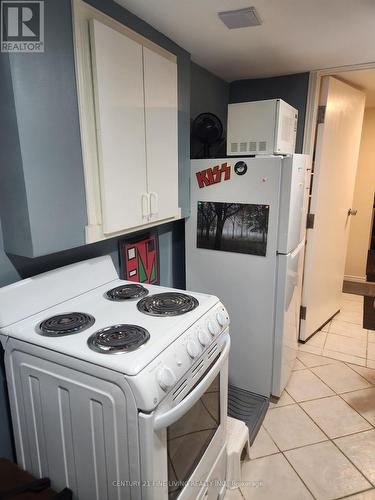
point(240, 168)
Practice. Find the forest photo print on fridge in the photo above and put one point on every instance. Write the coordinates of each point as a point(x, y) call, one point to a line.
point(232, 227)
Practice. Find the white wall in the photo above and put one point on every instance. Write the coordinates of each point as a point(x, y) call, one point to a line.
point(359, 236)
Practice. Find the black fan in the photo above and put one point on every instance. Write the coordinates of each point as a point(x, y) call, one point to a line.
point(207, 129)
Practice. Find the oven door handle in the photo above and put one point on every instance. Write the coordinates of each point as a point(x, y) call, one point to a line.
point(166, 419)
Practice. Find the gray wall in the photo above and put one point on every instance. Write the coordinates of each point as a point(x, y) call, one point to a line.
point(291, 88)
point(53, 96)
point(46, 108)
point(208, 94)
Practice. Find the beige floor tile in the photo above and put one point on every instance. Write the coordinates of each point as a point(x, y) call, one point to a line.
point(317, 340)
point(371, 336)
point(340, 378)
point(344, 357)
point(298, 365)
point(351, 317)
point(285, 399)
point(367, 373)
point(303, 385)
point(352, 305)
point(310, 348)
point(371, 351)
point(233, 495)
point(360, 449)
point(290, 427)
point(352, 296)
point(278, 480)
point(346, 345)
point(348, 329)
point(363, 402)
point(335, 417)
point(263, 445)
point(370, 363)
point(310, 360)
point(366, 495)
point(326, 471)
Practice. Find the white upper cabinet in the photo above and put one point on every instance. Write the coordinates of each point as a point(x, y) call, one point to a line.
point(127, 89)
point(120, 122)
point(160, 86)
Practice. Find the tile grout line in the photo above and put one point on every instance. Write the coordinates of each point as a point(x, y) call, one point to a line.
point(351, 494)
point(332, 441)
point(372, 425)
point(354, 465)
point(299, 403)
point(303, 482)
point(347, 363)
point(332, 389)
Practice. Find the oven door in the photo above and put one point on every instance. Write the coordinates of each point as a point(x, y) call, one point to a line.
point(181, 443)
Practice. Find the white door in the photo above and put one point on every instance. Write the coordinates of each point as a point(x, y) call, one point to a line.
point(160, 84)
point(119, 108)
point(336, 157)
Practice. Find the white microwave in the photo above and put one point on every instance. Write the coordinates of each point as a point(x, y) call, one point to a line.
point(261, 128)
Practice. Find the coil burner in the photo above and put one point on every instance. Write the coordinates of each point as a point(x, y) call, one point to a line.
point(167, 304)
point(126, 292)
point(118, 339)
point(65, 324)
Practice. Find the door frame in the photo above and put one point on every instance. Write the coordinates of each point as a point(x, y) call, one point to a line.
point(311, 119)
point(312, 104)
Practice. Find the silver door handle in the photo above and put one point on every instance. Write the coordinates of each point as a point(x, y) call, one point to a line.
point(352, 211)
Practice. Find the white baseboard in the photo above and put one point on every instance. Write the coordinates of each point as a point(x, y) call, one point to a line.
point(360, 279)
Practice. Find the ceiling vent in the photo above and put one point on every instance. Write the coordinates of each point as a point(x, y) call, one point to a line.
point(241, 18)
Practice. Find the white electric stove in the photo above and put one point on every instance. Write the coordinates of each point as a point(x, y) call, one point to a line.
point(111, 381)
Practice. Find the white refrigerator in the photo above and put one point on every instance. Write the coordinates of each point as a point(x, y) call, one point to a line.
point(245, 244)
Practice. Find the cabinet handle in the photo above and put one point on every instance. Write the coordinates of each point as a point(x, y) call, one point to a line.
point(154, 203)
point(145, 201)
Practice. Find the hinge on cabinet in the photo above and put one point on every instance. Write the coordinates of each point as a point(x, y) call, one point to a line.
point(302, 312)
point(321, 114)
point(310, 220)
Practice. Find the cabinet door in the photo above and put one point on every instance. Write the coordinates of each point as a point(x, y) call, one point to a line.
point(160, 84)
point(119, 107)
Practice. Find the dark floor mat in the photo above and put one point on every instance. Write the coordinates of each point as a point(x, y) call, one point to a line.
point(369, 313)
point(249, 407)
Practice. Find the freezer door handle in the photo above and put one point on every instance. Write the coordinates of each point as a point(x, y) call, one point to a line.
point(298, 249)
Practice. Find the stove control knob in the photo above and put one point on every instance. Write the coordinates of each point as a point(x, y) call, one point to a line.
point(166, 378)
point(192, 348)
point(204, 337)
point(222, 318)
point(213, 327)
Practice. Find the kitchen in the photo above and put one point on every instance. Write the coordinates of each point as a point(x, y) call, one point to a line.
point(44, 218)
